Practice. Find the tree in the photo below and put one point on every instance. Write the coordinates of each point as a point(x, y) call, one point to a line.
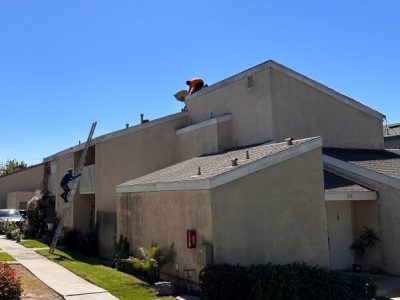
point(10, 166)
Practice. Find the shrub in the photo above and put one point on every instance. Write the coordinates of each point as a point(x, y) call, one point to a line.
point(296, 281)
point(147, 262)
point(87, 243)
point(70, 239)
point(224, 282)
point(273, 282)
point(121, 250)
point(137, 267)
point(317, 283)
point(10, 285)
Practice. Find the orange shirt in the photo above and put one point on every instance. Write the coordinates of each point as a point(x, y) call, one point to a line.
point(195, 81)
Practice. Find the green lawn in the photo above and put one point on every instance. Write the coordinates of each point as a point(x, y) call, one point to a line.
point(4, 256)
point(121, 285)
point(33, 244)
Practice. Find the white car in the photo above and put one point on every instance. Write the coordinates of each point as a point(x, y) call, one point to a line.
point(9, 214)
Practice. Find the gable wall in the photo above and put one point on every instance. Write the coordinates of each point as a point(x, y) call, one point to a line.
point(302, 111)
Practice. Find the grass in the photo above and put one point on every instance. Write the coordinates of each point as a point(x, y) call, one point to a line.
point(121, 285)
point(33, 244)
point(4, 256)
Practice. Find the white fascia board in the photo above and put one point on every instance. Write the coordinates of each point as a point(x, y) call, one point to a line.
point(335, 164)
point(241, 171)
point(207, 123)
point(116, 134)
point(351, 196)
point(202, 184)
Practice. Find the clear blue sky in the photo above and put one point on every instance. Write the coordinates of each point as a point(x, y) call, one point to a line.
point(64, 64)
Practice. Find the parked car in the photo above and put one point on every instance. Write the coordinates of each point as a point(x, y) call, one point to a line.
point(23, 213)
point(9, 214)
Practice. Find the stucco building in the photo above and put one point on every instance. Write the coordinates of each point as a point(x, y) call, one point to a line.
point(392, 136)
point(17, 188)
point(282, 202)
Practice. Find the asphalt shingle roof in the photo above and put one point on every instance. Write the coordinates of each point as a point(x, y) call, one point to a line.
point(392, 130)
point(386, 162)
point(336, 183)
point(212, 165)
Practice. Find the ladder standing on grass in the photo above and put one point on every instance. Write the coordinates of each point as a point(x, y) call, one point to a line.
point(71, 194)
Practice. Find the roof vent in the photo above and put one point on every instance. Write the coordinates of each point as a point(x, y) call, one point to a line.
point(289, 141)
point(247, 154)
point(250, 81)
point(234, 162)
point(199, 171)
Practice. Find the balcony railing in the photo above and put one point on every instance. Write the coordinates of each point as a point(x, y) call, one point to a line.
point(88, 180)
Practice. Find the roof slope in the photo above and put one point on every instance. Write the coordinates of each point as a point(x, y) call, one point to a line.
point(181, 175)
point(386, 162)
point(336, 183)
point(293, 74)
point(392, 130)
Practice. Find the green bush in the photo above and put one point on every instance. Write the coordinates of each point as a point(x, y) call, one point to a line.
point(87, 243)
point(147, 261)
point(316, 283)
point(296, 281)
point(224, 282)
point(273, 282)
point(121, 250)
point(69, 239)
point(137, 267)
point(10, 285)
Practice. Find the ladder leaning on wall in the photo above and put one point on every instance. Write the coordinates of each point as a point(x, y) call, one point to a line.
point(67, 205)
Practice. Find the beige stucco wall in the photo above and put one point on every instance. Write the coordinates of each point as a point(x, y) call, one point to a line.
point(19, 199)
point(366, 213)
point(250, 108)
point(26, 180)
point(276, 215)
point(127, 157)
point(301, 111)
point(163, 218)
point(385, 222)
point(132, 155)
point(205, 140)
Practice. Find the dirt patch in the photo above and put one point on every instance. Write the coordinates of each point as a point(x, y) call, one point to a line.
point(33, 287)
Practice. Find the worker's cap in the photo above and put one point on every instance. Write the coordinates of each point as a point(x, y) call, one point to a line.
point(187, 81)
point(70, 170)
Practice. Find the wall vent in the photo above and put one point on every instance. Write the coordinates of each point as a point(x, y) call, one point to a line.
point(250, 81)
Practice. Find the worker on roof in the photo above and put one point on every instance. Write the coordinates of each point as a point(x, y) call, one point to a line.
point(196, 84)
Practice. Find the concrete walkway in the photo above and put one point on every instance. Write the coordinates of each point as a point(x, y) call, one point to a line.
point(64, 282)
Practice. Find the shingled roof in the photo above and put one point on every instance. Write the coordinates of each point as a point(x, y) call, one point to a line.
point(207, 171)
point(386, 162)
point(336, 183)
point(392, 130)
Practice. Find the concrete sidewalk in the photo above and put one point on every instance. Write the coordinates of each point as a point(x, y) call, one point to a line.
point(64, 282)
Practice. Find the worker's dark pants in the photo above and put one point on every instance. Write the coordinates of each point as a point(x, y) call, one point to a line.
point(66, 190)
point(198, 87)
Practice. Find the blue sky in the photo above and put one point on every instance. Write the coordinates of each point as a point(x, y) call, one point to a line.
point(65, 64)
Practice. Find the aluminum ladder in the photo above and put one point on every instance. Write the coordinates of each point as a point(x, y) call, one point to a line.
point(71, 194)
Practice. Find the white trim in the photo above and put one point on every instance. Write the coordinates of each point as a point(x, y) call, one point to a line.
point(241, 171)
point(351, 196)
point(293, 74)
point(331, 163)
point(207, 123)
point(117, 133)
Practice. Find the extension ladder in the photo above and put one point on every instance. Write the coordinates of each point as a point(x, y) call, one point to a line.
point(67, 205)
